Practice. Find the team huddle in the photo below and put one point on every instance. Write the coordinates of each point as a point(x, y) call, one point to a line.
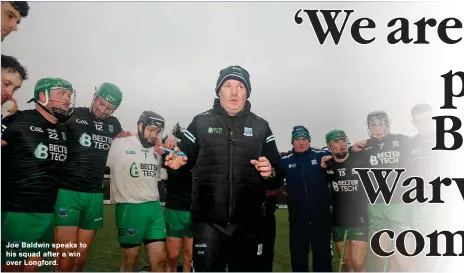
point(54, 158)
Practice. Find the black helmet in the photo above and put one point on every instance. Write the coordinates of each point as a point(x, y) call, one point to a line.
point(150, 118)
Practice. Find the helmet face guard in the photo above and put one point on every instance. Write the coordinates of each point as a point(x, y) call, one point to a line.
point(378, 119)
point(335, 137)
point(101, 109)
point(153, 124)
point(46, 86)
point(63, 115)
point(106, 100)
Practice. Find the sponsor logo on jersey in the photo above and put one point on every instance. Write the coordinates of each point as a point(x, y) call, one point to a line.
point(292, 165)
point(80, 121)
point(36, 129)
point(149, 170)
point(95, 141)
point(53, 152)
point(134, 170)
point(392, 157)
point(247, 131)
point(145, 169)
point(212, 130)
point(345, 185)
point(130, 152)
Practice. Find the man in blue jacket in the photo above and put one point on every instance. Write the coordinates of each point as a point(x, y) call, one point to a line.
point(308, 204)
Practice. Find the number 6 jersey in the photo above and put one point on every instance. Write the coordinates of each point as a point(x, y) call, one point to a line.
point(32, 162)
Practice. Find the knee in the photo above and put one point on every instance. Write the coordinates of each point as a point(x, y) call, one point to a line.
point(173, 256)
point(79, 262)
point(358, 266)
point(131, 259)
point(348, 263)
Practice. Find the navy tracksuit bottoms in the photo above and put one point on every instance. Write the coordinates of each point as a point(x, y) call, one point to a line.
point(315, 235)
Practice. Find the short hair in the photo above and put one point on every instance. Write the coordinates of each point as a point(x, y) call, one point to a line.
point(11, 64)
point(21, 6)
point(420, 108)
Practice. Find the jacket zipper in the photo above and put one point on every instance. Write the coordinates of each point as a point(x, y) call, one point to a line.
point(231, 168)
point(304, 180)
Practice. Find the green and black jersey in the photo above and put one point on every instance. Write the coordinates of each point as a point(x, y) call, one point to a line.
point(349, 199)
point(89, 142)
point(32, 162)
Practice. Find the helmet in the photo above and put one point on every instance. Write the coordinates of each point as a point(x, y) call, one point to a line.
point(110, 93)
point(337, 135)
point(45, 86)
point(377, 117)
point(150, 118)
point(334, 135)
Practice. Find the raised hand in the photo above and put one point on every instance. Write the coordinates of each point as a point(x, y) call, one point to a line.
point(175, 161)
point(263, 166)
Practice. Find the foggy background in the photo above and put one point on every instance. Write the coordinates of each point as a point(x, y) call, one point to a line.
point(166, 57)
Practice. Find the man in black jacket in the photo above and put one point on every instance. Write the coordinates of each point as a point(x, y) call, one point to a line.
point(235, 159)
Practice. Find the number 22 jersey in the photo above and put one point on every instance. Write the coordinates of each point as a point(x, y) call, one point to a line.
point(32, 162)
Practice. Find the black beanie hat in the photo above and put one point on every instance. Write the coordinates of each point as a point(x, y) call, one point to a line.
point(234, 73)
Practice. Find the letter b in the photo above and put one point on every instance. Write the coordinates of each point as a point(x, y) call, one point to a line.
point(441, 131)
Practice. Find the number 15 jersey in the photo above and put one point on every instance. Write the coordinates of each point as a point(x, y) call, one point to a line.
point(135, 171)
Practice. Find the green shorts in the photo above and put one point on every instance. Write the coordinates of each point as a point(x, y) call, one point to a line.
point(139, 222)
point(26, 234)
point(79, 209)
point(396, 217)
point(353, 234)
point(178, 223)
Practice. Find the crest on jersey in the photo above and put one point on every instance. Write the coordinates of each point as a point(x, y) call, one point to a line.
point(131, 231)
point(247, 131)
point(110, 128)
point(62, 212)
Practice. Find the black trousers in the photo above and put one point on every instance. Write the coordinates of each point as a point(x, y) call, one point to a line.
point(234, 246)
point(315, 235)
point(268, 235)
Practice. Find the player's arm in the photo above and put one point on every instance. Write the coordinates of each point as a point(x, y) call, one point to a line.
point(269, 150)
point(112, 152)
point(9, 129)
point(118, 131)
point(189, 145)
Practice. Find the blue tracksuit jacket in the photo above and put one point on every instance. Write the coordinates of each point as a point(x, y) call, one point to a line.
point(308, 188)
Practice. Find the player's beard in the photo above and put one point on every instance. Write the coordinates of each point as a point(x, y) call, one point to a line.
point(341, 155)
